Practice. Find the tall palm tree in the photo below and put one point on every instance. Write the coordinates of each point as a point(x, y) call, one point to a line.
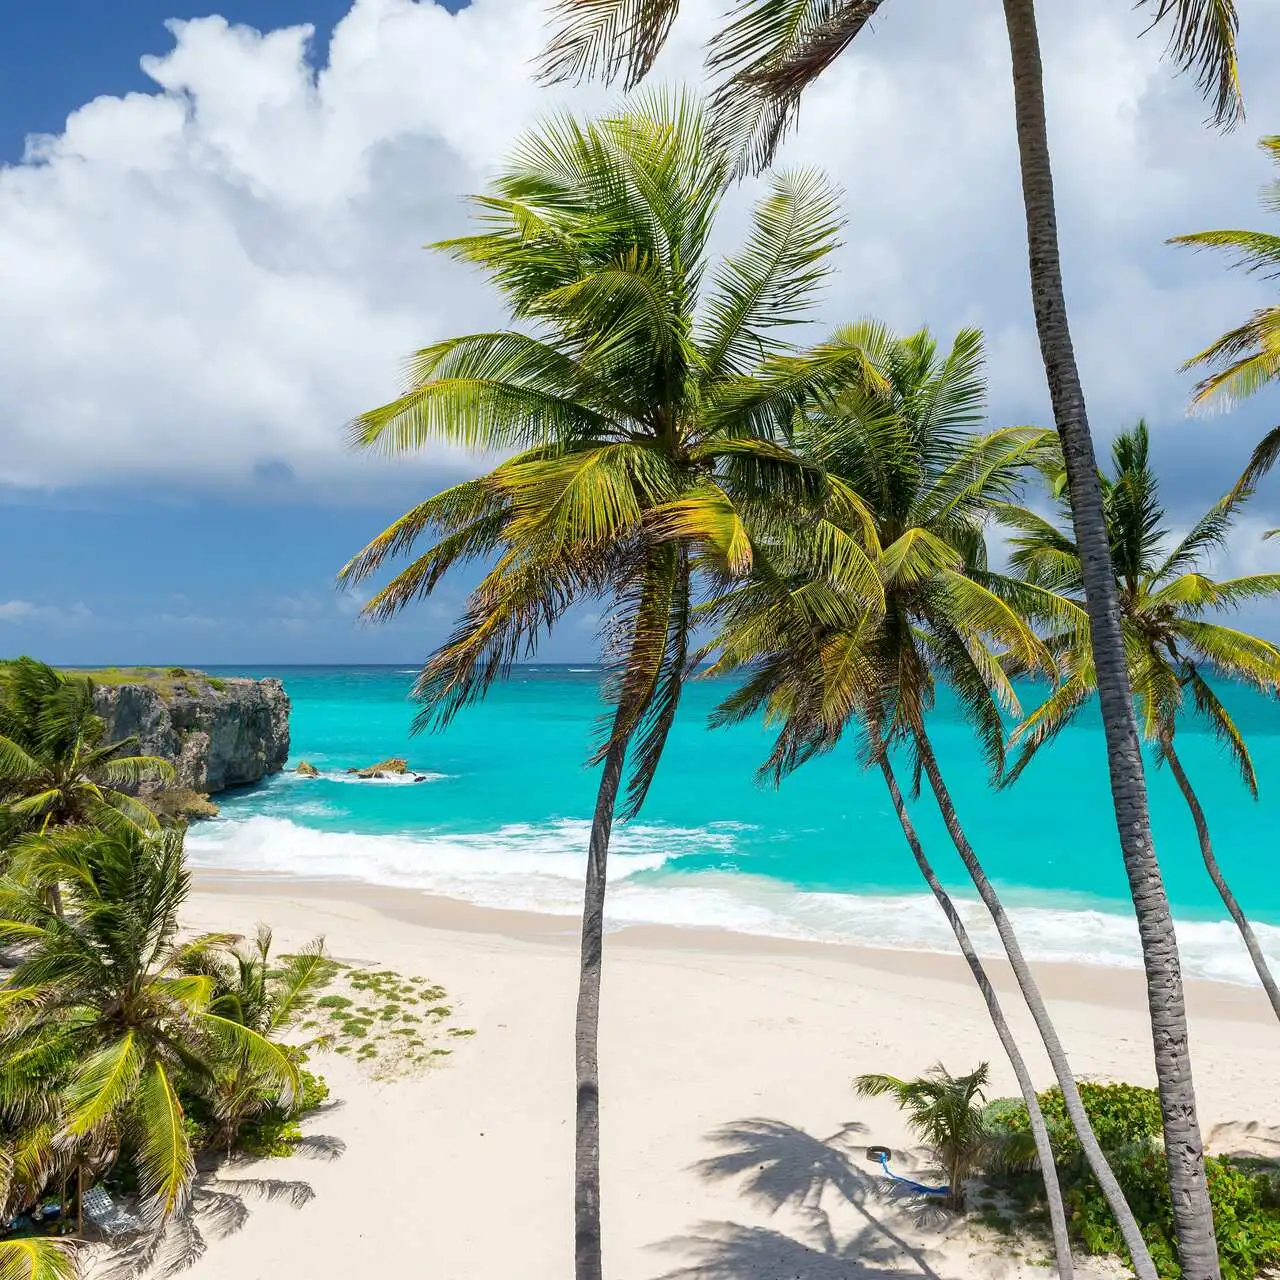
point(630, 401)
point(946, 1113)
point(102, 1018)
point(1246, 358)
point(765, 57)
point(55, 768)
point(902, 447)
point(1165, 595)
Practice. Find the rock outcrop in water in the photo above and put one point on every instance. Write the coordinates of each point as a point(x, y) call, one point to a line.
point(393, 766)
point(216, 731)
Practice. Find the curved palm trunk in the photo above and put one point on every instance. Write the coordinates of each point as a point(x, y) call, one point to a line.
point(1039, 1130)
point(586, 1167)
point(1184, 1149)
point(1219, 880)
point(1128, 1224)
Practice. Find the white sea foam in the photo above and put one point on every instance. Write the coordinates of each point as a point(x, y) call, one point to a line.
point(387, 780)
point(539, 868)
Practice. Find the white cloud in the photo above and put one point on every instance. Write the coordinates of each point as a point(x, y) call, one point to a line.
point(20, 611)
point(204, 282)
point(197, 621)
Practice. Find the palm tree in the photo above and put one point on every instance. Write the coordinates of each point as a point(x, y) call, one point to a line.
point(902, 448)
point(1246, 358)
point(631, 405)
point(765, 57)
point(946, 1113)
point(103, 1018)
point(1164, 597)
point(55, 769)
point(267, 996)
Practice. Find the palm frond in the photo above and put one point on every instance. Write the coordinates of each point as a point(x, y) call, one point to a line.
point(1202, 41)
point(38, 1258)
point(164, 1158)
point(1209, 706)
point(264, 1056)
point(103, 1084)
point(1235, 654)
point(765, 57)
point(774, 280)
point(612, 39)
point(1053, 715)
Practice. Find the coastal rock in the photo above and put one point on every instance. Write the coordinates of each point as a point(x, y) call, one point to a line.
point(177, 805)
point(306, 769)
point(217, 732)
point(384, 768)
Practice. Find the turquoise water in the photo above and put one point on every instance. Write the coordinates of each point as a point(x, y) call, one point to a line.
point(502, 820)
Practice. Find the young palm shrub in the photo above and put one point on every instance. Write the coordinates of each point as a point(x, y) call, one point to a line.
point(947, 1114)
point(633, 462)
point(106, 1003)
point(903, 448)
point(1167, 601)
point(267, 997)
point(1247, 358)
point(55, 768)
point(767, 53)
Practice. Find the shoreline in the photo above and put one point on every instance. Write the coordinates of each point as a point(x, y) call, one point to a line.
point(718, 1052)
point(1112, 986)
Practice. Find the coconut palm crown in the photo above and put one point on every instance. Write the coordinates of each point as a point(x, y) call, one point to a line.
point(55, 767)
point(1168, 603)
point(1176, 648)
point(628, 396)
point(904, 447)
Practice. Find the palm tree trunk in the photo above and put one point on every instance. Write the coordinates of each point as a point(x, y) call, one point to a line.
point(586, 1171)
point(1039, 1130)
point(1219, 880)
point(54, 893)
point(1128, 1224)
point(1184, 1149)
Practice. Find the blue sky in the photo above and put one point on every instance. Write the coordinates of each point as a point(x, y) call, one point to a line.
point(211, 241)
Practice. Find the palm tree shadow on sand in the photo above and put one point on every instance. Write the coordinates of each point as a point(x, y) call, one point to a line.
point(780, 1166)
point(218, 1207)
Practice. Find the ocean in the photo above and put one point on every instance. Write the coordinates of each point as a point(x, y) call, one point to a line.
point(502, 818)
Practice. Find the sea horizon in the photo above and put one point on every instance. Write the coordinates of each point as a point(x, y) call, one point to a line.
point(502, 816)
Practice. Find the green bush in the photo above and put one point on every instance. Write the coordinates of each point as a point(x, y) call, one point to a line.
point(1126, 1119)
point(277, 1131)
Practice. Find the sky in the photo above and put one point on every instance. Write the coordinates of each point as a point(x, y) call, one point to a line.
point(211, 227)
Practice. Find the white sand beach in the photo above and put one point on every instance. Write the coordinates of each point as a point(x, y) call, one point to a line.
point(712, 1045)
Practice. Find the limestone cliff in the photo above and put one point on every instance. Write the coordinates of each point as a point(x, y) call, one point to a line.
point(216, 731)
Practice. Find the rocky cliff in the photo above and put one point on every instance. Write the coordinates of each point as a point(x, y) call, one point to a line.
point(217, 732)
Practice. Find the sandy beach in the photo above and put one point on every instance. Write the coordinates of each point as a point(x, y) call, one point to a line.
point(719, 1053)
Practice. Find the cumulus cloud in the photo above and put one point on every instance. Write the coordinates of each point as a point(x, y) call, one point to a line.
point(204, 282)
point(27, 611)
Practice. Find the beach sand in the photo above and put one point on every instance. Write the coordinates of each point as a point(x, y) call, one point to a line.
point(713, 1045)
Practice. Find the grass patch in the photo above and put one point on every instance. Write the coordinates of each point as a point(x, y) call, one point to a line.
point(372, 1022)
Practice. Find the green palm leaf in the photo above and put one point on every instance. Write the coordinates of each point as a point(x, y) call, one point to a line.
point(263, 1056)
point(103, 1084)
point(164, 1157)
point(775, 279)
point(37, 1258)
